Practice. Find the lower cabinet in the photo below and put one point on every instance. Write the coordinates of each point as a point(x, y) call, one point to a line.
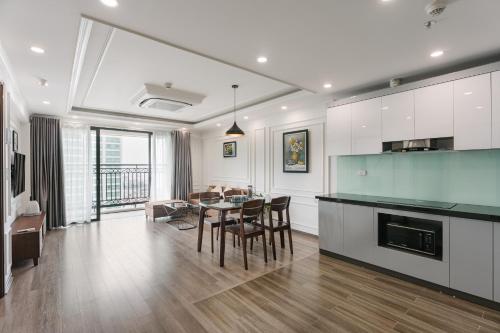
point(331, 233)
point(359, 234)
point(496, 261)
point(471, 257)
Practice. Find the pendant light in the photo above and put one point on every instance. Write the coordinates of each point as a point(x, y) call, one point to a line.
point(235, 130)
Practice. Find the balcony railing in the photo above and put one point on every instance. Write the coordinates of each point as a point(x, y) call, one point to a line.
point(122, 184)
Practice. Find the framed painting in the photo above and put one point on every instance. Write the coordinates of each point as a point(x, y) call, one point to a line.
point(229, 149)
point(296, 151)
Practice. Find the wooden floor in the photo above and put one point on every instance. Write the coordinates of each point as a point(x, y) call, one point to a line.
point(128, 275)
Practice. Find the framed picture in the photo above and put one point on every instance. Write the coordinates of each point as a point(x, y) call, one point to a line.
point(14, 141)
point(296, 151)
point(229, 149)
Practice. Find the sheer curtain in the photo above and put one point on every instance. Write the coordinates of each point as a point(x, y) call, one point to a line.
point(77, 173)
point(161, 157)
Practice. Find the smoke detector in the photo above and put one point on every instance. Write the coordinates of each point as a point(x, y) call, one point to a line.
point(436, 7)
point(165, 98)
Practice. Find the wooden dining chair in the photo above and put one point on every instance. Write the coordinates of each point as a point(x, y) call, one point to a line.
point(233, 214)
point(213, 218)
point(279, 205)
point(248, 225)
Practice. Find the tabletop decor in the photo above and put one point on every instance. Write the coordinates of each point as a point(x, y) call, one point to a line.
point(296, 151)
point(14, 141)
point(229, 149)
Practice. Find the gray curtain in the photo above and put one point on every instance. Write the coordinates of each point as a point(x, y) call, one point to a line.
point(47, 183)
point(182, 176)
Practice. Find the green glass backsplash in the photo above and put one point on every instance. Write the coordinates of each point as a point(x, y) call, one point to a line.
point(471, 177)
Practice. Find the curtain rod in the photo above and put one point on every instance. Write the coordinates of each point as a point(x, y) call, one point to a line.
point(49, 116)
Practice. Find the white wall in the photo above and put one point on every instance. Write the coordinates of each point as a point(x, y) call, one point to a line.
point(15, 117)
point(259, 160)
point(196, 162)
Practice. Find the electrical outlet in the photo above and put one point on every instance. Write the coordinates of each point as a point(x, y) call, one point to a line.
point(362, 172)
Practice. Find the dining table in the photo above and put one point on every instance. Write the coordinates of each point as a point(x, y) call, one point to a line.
point(222, 207)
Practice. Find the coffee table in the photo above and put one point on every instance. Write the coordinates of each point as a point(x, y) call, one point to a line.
point(181, 214)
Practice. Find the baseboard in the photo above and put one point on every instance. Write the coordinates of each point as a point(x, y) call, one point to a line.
point(452, 292)
point(305, 229)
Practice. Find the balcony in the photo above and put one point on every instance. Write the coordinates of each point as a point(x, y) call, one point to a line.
point(121, 186)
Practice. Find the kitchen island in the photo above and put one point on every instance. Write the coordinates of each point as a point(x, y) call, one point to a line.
point(451, 247)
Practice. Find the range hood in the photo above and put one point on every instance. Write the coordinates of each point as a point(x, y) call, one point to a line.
point(418, 145)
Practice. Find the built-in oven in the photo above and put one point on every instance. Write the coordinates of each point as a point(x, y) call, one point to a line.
point(410, 234)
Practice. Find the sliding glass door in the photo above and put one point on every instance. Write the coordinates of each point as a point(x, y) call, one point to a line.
point(121, 168)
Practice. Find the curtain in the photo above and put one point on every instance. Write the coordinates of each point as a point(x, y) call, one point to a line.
point(77, 173)
point(182, 178)
point(161, 157)
point(47, 176)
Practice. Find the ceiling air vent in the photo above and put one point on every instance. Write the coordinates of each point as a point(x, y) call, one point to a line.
point(165, 98)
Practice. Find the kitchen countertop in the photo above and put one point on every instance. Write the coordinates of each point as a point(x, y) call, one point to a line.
point(477, 212)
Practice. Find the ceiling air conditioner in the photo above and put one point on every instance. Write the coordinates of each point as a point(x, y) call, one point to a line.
point(165, 98)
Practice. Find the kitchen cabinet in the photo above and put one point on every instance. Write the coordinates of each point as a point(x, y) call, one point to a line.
point(331, 233)
point(496, 262)
point(366, 127)
point(339, 130)
point(359, 234)
point(472, 112)
point(495, 111)
point(434, 111)
point(398, 117)
point(471, 257)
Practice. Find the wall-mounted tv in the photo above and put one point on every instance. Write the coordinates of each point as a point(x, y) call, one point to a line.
point(17, 174)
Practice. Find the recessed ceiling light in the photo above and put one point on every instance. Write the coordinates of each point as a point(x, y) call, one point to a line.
point(408, 117)
point(467, 93)
point(110, 3)
point(46, 102)
point(37, 49)
point(353, 96)
point(261, 60)
point(363, 126)
point(284, 107)
point(245, 117)
point(218, 125)
point(479, 107)
point(327, 85)
point(437, 53)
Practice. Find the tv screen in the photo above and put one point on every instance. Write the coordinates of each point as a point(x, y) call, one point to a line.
point(17, 174)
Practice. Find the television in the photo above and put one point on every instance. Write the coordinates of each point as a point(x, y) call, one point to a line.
point(17, 174)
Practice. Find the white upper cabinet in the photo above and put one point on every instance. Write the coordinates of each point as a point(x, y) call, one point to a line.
point(472, 112)
point(366, 127)
point(398, 114)
point(495, 116)
point(434, 111)
point(338, 131)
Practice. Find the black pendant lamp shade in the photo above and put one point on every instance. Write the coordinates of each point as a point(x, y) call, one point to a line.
point(235, 130)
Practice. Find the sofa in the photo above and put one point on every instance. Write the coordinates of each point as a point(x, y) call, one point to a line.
point(155, 209)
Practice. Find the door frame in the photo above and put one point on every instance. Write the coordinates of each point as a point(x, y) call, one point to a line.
point(2, 194)
point(97, 148)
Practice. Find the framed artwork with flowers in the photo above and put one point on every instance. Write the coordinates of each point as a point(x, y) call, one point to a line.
point(296, 151)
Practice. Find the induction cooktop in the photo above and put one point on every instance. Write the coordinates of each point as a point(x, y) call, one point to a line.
point(419, 203)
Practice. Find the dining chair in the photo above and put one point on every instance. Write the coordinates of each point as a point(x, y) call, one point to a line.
point(248, 225)
point(233, 214)
point(279, 205)
point(213, 219)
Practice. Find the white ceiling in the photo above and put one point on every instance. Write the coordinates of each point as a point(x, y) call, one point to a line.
point(118, 66)
point(349, 43)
